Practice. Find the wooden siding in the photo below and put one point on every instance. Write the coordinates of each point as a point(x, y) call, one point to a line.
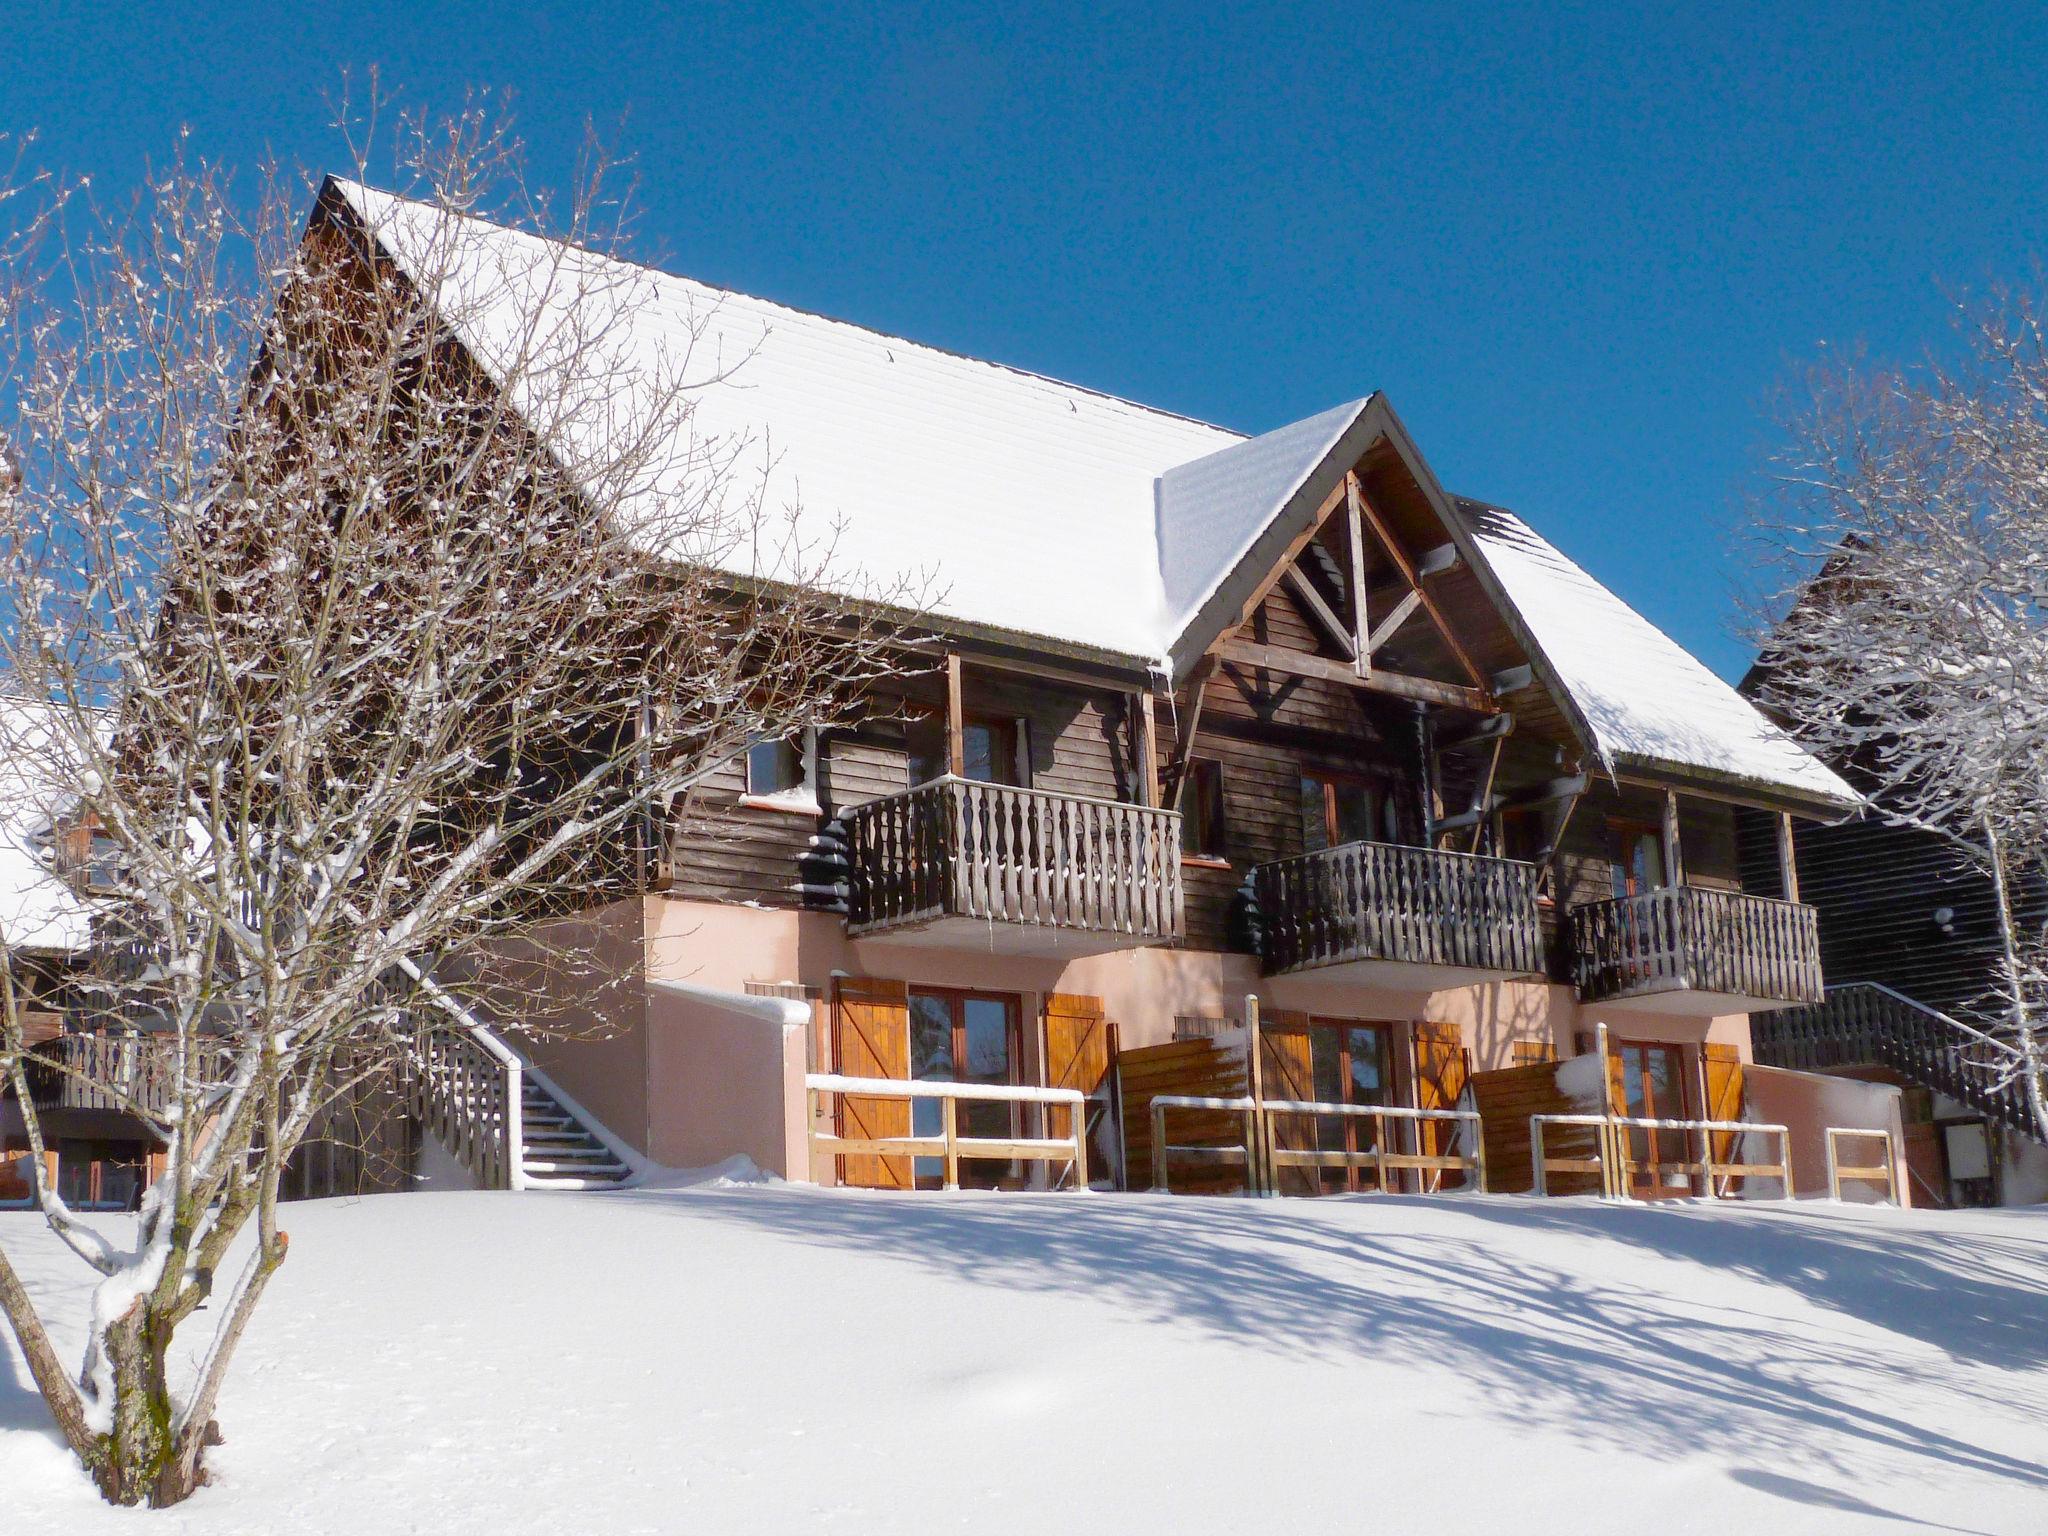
point(1877, 888)
point(1079, 742)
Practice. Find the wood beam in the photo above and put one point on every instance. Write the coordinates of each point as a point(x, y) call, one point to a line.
point(1674, 859)
point(1480, 735)
point(1414, 579)
point(1300, 664)
point(1384, 630)
point(1286, 562)
point(1788, 858)
point(1361, 627)
point(1485, 795)
point(1148, 751)
point(1301, 586)
point(1190, 720)
point(956, 718)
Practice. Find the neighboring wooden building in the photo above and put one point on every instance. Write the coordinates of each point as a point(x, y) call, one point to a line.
point(1206, 717)
point(1909, 942)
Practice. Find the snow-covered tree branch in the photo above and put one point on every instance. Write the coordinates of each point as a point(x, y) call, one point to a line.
point(1917, 657)
point(366, 646)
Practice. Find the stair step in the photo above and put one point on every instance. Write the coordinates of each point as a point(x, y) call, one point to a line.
point(582, 1151)
point(540, 1170)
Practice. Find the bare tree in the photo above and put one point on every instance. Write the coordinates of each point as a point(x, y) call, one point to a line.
point(379, 606)
point(1917, 657)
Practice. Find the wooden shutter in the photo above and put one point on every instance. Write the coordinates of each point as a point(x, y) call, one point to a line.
point(1442, 1068)
point(1721, 1065)
point(1078, 1052)
point(1286, 1072)
point(871, 1038)
point(1617, 1082)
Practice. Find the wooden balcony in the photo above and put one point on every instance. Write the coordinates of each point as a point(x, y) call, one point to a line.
point(1016, 871)
point(104, 1070)
point(1688, 950)
point(1384, 915)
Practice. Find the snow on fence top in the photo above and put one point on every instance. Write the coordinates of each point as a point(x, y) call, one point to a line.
point(1028, 505)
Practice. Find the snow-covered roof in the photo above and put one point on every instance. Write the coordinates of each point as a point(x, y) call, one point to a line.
point(1033, 507)
point(1645, 698)
point(992, 479)
point(37, 910)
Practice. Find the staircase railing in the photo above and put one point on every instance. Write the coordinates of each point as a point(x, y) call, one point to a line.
point(1864, 1023)
point(467, 1089)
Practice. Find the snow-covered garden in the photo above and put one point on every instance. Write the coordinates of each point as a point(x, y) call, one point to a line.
point(767, 1358)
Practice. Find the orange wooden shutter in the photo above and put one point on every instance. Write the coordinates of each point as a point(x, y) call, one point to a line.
point(1286, 1072)
point(1722, 1065)
point(1617, 1082)
point(871, 1038)
point(1078, 1053)
point(1442, 1069)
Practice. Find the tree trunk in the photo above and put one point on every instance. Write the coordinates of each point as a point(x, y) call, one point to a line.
point(136, 1462)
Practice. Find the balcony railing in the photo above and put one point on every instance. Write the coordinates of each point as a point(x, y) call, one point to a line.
point(955, 848)
point(1719, 944)
point(1367, 902)
point(108, 1070)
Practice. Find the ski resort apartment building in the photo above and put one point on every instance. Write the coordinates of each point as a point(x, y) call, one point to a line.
point(1217, 739)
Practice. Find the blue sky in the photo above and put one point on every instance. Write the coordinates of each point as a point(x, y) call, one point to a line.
point(1580, 247)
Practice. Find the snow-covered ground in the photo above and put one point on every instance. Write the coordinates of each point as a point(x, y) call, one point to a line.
point(777, 1359)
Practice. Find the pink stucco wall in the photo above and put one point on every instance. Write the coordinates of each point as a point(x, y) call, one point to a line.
point(1806, 1103)
point(688, 1081)
point(726, 1076)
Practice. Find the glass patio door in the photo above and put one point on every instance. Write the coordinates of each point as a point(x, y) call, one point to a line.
point(964, 1037)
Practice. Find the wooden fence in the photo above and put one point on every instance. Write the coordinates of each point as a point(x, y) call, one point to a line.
point(1261, 1153)
point(1614, 1164)
point(949, 1146)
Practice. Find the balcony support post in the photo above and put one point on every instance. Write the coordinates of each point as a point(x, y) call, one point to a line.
point(1148, 753)
point(956, 718)
point(1788, 858)
point(1674, 855)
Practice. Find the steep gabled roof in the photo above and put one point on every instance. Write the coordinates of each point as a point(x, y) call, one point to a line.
point(1029, 498)
point(1044, 510)
point(1648, 702)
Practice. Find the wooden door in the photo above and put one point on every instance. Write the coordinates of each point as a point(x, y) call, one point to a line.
point(1442, 1069)
point(871, 1038)
point(1078, 1051)
point(1649, 1077)
point(1721, 1066)
point(1287, 1071)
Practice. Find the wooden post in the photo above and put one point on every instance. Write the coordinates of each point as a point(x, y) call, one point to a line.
point(956, 719)
point(1674, 861)
point(950, 1123)
point(1148, 752)
point(1788, 857)
point(1256, 1182)
point(1361, 626)
point(1611, 1172)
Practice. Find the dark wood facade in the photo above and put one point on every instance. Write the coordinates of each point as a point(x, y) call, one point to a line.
point(1458, 834)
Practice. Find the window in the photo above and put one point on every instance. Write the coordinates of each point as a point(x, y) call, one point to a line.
point(964, 1037)
point(781, 771)
point(1337, 809)
point(1638, 858)
point(993, 749)
point(1201, 811)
